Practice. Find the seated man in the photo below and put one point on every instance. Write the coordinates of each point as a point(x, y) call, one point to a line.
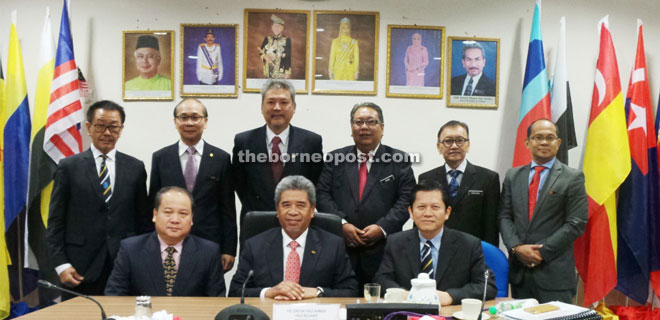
point(295, 261)
point(168, 261)
point(453, 258)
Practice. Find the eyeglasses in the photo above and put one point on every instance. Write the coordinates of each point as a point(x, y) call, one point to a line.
point(539, 138)
point(100, 128)
point(450, 142)
point(370, 122)
point(194, 119)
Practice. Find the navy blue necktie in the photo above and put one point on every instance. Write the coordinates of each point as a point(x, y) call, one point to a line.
point(427, 259)
point(453, 184)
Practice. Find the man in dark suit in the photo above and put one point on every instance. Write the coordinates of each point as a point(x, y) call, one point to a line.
point(296, 261)
point(99, 197)
point(168, 261)
point(453, 258)
point(544, 209)
point(474, 192)
point(207, 177)
point(367, 185)
point(474, 82)
point(259, 163)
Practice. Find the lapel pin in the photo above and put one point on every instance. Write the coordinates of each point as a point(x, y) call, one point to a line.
point(211, 155)
point(313, 251)
point(551, 192)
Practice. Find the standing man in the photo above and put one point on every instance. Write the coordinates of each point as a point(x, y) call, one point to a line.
point(147, 60)
point(169, 261)
point(543, 210)
point(275, 51)
point(474, 82)
point(368, 185)
point(205, 171)
point(99, 197)
point(263, 156)
point(209, 60)
point(473, 191)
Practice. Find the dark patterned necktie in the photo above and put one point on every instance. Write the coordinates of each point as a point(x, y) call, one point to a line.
point(453, 183)
point(468, 88)
point(277, 165)
point(427, 259)
point(104, 179)
point(169, 267)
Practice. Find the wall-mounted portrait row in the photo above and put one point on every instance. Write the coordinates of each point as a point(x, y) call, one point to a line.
point(276, 44)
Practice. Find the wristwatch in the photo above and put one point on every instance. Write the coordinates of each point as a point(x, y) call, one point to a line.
point(319, 292)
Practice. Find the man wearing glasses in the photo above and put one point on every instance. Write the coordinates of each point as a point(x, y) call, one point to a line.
point(205, 171)
point(543, 210)
point(473, 191)
point(99, 197)
point(368, 185)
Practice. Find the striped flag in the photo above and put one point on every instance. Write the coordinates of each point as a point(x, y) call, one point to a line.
point(562, 107)
point(606, 164)
point(4, 253)
point(535, 95)
point(62, 137)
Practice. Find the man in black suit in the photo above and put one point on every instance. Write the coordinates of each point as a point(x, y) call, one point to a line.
point(99, 197)
point(474, 82)
point(367, 185)
point(168, 261)
point(295, 261)
point(544, 209)
point(474, 192)
point(207, 177)
point(259, 163)
point(453, 258)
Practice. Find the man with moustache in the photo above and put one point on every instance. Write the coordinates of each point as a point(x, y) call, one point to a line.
point(474, 82)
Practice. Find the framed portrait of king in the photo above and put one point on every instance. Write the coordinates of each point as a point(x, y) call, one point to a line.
point(474, 69)
point(275, 46)
point(148, 65)
point(415, 61)
point(345, 52)
point(209, 61)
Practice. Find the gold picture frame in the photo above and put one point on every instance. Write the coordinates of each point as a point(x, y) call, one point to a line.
point(209, 71)
point(485, 94)
point(348, 63)
point(159, 84)
point(415, 61)
point(288, 58)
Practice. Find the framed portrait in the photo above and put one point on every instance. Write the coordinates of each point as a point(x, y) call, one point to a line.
point(148, 65)
point(415, 61)
point(209, 60)
point(345, 52)
point(275, 45)
point(474, 72)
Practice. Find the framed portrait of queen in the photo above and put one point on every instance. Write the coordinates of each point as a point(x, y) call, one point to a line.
point(275, 46)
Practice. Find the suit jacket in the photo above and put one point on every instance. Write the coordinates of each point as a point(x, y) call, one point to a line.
point(485, 86)
point(475, 207)
point(460, 266)
point(139, 270)
point(384, 200)
point(82, 229)
point(254, 180)
point(215, 209)
point(324, 264)
point(559, 217)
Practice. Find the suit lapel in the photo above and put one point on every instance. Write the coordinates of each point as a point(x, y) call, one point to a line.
point(186, 266)
point(447, 251)
point(311, 255)
point(413, 256)
point(155, 264)
point(120, 177)
point(550, 180)
point(353, 175)
point(374, 173)
point(274, 257)
point(204, 167)
point(258, 146)
point(293, 148)
point(520, 190)
point(89, 164)
point(174, 165)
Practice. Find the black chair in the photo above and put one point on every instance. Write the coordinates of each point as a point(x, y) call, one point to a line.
point(256, 222)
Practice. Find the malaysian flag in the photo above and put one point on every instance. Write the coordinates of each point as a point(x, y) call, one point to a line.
point(63, 138)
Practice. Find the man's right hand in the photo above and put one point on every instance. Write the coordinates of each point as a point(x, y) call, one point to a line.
point(352, 235)
point(70, 277)
point(529, 254)
point(287, 289)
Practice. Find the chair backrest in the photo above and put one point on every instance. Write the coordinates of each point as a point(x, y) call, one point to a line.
point(256, 222)
point(497, 261)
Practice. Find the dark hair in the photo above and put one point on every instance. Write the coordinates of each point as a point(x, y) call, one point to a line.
point(206, 113)
point(454, 123)
point(428, 185)
point(529, 129)
point(164, 190)
point(105, 105)
point(368, 105)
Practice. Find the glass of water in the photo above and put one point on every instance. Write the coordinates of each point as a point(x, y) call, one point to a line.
point(372, 292)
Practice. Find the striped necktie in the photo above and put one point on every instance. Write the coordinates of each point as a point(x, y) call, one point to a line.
point(104, 180)
point(427, 259)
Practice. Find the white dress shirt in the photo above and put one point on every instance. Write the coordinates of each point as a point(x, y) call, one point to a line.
point(461, 167)
point(284, 144)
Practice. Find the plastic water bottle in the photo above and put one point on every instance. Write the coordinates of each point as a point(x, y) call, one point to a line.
point(143, 307)
point(510, 305)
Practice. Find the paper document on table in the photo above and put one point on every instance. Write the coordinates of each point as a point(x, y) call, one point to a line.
point(552, 311)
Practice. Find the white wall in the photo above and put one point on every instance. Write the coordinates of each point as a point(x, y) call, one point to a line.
point(411, 124)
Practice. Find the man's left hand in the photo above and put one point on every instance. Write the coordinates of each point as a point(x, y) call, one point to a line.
point(445, 298)
point(371, 234)
point(227, 262)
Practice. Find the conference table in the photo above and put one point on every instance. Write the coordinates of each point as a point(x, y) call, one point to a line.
point(184, 307)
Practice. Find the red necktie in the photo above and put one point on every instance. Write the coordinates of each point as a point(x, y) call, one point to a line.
point(276, 165)
point(292, 272)
point(533, 189)
point(363, 174)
